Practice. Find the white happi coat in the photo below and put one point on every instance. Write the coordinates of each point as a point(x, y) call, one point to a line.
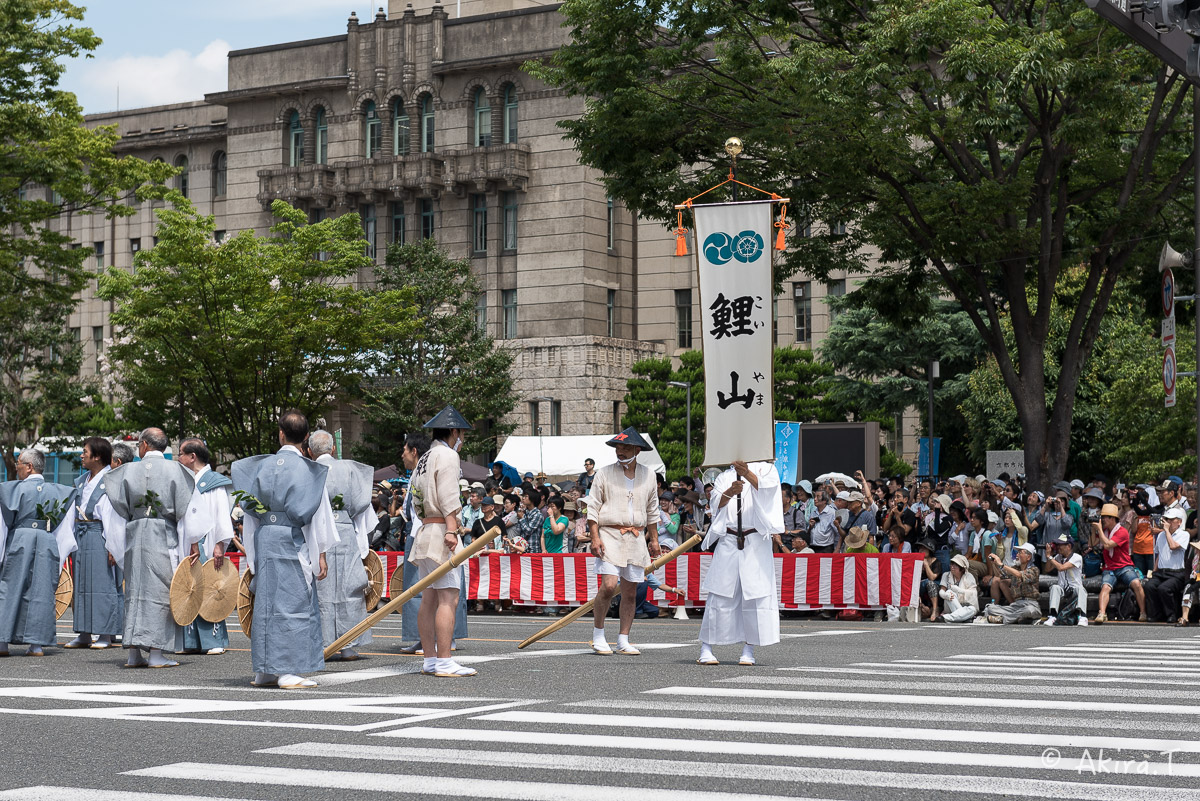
point(762, 510)
point(622, 509)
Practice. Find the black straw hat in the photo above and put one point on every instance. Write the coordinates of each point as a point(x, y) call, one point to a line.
point(449, 418)
point(629, 436)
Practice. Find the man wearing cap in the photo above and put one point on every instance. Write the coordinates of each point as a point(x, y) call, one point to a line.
point(623, 525)
point(436, 503)
point(99, 598)
point(1070, 577)
point(212, 491)
point(740, 582)
point(36, 537)
point(1118, 570)
point(288, 527)
point(1164, 589)
point(471, 512)
point(342, 594)
point(860, 515)
point(1023, 582)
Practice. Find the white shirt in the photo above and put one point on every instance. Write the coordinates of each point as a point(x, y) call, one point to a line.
point(823, 532)
point(1164, 557)
point(209, 521)
point(1073, 575)
point(85, 493)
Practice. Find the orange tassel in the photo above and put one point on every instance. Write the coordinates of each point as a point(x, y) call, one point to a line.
point(780, 244)
point(681, 238)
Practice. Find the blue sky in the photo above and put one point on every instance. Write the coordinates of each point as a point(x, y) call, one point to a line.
point(167, 51)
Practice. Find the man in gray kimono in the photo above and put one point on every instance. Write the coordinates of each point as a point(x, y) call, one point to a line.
point(212, 491)
point(146, 529)
point(99, 597)
point(341, 595)
point(35, 539)
point(287, 529)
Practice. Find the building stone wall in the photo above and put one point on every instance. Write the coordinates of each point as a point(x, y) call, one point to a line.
point(596, 289)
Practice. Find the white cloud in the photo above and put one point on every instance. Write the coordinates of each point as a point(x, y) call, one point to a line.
point(150, 80)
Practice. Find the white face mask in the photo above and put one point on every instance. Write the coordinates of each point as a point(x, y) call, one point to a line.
point(626, 462)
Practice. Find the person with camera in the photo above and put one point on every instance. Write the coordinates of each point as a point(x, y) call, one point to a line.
point(1119, 572)
point(1022, 580)
point(1165, 588)
point(1070, 579)
point(824, 534)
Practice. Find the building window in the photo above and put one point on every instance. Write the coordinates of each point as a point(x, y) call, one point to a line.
point(836, 290)
point(481, 311)
point(838, 228)
point(295, 141)
point(98, 247)
point(372, 129)
point(683, 317)
point(219, 236)
point(509, 201)
point(427, 124)
point(616, 421)
point(612, 311)
point(135, 245)
point(98, 343)
point(398, 222)
point(509, 300)
point(322, 138)
point(556, 418)
point(181, 180)
point(400, 128)
point(610, 226)
point(535, 428)
point(367, 212)
point(774, 321)
point(220, 173)
point(802, 303)
point(510, 114)
point(804, 227)
point(479, 223)
point(426, 218)
point(483, 119)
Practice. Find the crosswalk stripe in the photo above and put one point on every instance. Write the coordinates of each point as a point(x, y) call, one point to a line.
point(49, 793)
point(884, 733)
point(415, 784)
point(1116, 649)
point(1079, 659)
point(990, 671)
point(1043, 666)
point(929, 700)
point(942, 686)
point(875, 755)
point(977, 786)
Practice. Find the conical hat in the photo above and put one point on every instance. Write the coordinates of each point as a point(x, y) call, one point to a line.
point(185, 592)
point(396, 583)
point(449, 418)
point(374, 589)
point(64, 595)
point(629, 436)
point(218, 596)
point(245, 603)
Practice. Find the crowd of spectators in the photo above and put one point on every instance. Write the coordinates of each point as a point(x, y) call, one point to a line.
point(990, 547)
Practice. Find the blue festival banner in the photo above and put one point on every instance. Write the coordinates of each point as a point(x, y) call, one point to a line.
point(923, 456)
point(787, 450)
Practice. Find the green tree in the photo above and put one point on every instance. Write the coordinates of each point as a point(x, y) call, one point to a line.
point(448, 358)
point(49, 164)
point(883, 365)
point(217, 339)
point(978, 148)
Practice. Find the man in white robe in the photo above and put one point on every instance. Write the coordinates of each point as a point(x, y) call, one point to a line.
point(212, 492)
point(740, 583)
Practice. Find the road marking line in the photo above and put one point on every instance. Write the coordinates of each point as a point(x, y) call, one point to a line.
point(47, 793)
point(990, 671)
point(1060, 740)
point(416, 784)
point(935, 686)
point(974, 786)
point(1042, 666)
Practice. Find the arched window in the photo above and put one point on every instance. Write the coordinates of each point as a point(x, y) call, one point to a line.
point(220, 173)
point(295, 141)
point(322, 138)
point(427, 124)
point(400, 128)
point(483, 119)
point(510, 114)
point(372, 129)
point(181, 180)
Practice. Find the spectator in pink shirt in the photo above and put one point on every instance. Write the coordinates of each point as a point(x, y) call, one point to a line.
point(1113, 541)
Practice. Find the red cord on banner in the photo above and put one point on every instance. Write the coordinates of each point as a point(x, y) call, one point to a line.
point(681, 238)
point(780, 244)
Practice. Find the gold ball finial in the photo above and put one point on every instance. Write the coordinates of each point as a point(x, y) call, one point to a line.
point(733, 146)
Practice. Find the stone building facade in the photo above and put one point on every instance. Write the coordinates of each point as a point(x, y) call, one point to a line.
point(422, 121)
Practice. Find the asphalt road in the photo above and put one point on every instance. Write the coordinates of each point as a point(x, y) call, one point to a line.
point(835, 711)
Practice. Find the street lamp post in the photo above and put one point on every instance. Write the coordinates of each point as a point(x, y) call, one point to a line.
point(688, 386)
point(541, 455)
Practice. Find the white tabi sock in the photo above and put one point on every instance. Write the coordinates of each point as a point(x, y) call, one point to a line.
point(598, 637)
point(136, 657)
point(706, 654)
point(157, 658)
point(748, 653)
point(622, 641)
point(265, 678)
point(429, 665)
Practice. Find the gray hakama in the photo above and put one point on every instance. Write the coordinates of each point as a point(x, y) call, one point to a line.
point(32, 563)
point(151, 496)
point(341, 594)
point(99, 598)
point(285, 635)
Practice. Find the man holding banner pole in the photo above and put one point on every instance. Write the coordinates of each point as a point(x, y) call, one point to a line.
point(623, 523)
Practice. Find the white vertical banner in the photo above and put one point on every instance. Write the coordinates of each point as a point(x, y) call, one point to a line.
point(734, 252)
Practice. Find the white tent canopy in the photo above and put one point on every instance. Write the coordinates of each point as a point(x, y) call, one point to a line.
point(563, 456)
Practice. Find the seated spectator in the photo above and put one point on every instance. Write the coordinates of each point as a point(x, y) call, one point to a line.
point(1117, 563)
point(1070, 579)
point(896, 542)
point(960, 592)
point(1192, 591)
point(931, 576)
point(858, 540)
point(1023, 581)
point(1164, 590)
point(959, 535)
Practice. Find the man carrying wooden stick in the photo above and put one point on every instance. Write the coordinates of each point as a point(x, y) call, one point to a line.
point(623, 523)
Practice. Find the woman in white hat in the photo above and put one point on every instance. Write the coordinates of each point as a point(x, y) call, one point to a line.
point(960, 591)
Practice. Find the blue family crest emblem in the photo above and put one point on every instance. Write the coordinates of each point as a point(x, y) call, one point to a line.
point(746, 247)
